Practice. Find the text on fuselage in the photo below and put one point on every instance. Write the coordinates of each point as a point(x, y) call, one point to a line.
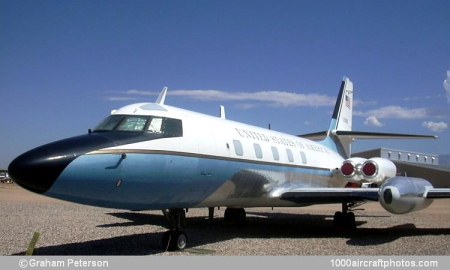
point(249, 134)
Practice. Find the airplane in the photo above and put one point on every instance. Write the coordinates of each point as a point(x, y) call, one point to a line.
point(152, 156)
point(4, 177)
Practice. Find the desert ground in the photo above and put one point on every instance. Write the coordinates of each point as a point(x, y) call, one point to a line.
point(72, 229)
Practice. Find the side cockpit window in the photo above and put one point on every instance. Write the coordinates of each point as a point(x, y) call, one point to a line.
point(155, 125)
point(173, 128)
point(168, 127)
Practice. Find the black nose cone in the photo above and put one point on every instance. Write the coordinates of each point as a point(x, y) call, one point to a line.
point(37, 170)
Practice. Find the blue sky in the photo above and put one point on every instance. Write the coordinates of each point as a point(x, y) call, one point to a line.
point(64, 65)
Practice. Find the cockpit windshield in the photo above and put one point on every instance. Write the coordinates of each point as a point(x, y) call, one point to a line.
point(163, 126)
point(132, 123)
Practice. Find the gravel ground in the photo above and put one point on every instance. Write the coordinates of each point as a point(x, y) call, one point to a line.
point(71, 229)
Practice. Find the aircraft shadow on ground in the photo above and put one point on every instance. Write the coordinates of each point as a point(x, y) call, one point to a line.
point(136, 219)
point(202, 231)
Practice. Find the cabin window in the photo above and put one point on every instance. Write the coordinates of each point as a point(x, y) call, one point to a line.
point(290, 155)
point(303, 157)
point(275, 154)
point(258, 151)
point(238, 148)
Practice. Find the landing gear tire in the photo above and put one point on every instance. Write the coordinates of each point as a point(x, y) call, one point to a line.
point(351, 221)
point(344, 221)
point(174, 240)
point(235, 216)
point(337, 219)
point(179, 241)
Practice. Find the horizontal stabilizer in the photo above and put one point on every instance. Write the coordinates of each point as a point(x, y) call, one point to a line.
point(354, 135)
point(317, 136)
point(374, 135)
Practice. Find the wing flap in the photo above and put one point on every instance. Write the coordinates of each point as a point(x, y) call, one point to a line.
point(330, 195)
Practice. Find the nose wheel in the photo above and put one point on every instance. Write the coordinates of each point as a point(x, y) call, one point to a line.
point(175, 239)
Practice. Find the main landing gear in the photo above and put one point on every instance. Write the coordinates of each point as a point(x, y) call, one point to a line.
point(235, 216)
point(175, 239)
point(345, 219)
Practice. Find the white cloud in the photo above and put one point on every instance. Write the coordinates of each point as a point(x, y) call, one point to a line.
point(245, 106)
point(274, 98)
point(395, 112)
point(121, 98)
point(426, 97)
point(141, 93)
point(446, 85)
point(373, 121)
point(435, 127)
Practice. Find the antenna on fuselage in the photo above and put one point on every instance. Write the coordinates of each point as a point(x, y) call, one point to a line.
point(222, 112)
point(162, 96)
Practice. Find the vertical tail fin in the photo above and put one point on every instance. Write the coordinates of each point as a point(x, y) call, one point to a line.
point(342, 114)
point(340, 134)
point(341, 120)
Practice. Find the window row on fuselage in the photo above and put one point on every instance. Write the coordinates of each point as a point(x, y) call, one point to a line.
point(274, 150)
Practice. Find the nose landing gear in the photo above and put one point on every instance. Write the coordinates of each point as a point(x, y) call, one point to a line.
point(175, 239)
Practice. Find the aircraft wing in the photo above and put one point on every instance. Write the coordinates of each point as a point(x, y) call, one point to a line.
point(438, 176)
point(438, 193)
point(342, 195)
point(330, 195)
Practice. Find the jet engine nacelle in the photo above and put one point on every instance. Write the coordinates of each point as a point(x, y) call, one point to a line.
point(351, 169)
point(376, 170)
point(401, 195)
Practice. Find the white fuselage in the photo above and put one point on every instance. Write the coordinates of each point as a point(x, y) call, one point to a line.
point(281, 160)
